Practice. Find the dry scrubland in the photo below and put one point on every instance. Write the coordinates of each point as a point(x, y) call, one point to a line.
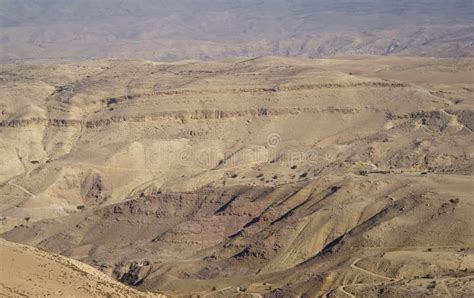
point(269, 176)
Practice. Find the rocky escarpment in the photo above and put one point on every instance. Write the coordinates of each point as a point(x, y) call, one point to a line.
point(210, 233)
point(177, 115)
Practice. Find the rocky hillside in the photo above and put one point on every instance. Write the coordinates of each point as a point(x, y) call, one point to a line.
point(270, 176)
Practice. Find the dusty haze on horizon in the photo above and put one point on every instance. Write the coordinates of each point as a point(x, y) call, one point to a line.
point(60, 30)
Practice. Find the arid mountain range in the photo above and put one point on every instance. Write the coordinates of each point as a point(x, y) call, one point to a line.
point(275, 177)
point(169, 30)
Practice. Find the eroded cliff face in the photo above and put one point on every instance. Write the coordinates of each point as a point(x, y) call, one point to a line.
point(268, 175)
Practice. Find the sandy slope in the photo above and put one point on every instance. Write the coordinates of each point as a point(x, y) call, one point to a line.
point(27, 271)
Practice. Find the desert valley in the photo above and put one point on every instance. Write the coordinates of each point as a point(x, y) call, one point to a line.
point(236, 148)
point(243, 177)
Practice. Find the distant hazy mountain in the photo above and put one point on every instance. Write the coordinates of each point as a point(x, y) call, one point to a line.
point(167, 30)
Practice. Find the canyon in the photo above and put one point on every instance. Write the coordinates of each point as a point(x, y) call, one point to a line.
point(269, 176)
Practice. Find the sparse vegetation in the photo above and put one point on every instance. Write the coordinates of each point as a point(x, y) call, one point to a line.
point(428, 276)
